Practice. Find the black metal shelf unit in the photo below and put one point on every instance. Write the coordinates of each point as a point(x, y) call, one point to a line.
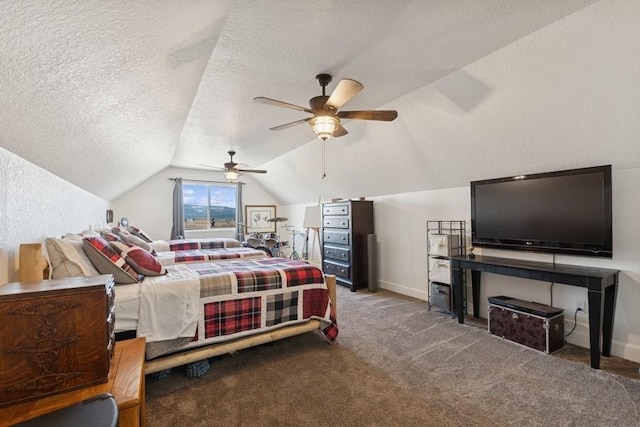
point(445, 238)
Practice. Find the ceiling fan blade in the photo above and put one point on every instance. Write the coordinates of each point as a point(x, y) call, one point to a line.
point(276, 103)
point(252, 170)
point(346, 89)
point(288, 125)
point(383, 115)
point(339, 131)
point(211, 167)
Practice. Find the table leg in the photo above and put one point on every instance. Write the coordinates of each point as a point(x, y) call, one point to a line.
point(475, 292)
point(595, 311)
point(458, 293)
point(607, 321)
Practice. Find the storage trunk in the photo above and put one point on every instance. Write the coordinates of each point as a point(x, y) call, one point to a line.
point(534, 325)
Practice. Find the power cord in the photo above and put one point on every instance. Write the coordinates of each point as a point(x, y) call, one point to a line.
point(575, 322)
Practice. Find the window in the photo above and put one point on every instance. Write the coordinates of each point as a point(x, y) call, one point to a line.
point(209, 205)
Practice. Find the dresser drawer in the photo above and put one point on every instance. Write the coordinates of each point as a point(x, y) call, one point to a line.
point(337, 209)
point(336, 268)
point(336, 252)
point(440, 270)
point(338, 237)
point(336, 222)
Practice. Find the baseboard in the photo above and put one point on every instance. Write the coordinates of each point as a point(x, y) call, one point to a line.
point(580, 337)
point(403, 290)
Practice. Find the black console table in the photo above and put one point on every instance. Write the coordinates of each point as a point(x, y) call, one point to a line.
point(598, 281)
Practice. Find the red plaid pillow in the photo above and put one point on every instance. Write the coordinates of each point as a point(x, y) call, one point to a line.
point(107, 261)
point(112, 237)
point(120, 232)
point(127, 237)
point(141, 261)
point(141, 234)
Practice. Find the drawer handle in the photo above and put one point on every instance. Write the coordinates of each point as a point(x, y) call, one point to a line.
point(514, 316)
point(344, 223)
point(344, 238)
point(344, 255)
point(342, 271)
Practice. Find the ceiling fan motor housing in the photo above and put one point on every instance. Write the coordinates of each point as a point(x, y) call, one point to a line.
point(317, 104)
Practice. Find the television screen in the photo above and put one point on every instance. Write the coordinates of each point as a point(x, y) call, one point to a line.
point(564, 212)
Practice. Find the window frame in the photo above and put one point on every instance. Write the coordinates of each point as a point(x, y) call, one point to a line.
point(209, 185)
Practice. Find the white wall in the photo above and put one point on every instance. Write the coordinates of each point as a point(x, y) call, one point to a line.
point(35, 204)
point(150, 204)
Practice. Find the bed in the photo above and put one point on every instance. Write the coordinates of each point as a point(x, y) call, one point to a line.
point(256, 300)
point(139, 237)
point(192, 311)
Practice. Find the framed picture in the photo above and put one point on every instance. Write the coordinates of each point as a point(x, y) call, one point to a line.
point(257, 218)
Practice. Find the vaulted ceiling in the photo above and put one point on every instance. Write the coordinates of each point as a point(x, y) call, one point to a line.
point(107, 93)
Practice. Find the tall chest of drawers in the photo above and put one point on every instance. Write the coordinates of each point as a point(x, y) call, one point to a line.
point(345, 226)
point(56, 335)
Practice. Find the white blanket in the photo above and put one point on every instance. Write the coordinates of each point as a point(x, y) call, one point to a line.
point(169, 305)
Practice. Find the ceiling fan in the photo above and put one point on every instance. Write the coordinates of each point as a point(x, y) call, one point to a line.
point(326, 117)
point(233, 170)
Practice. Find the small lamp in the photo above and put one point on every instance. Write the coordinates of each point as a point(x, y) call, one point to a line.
point(312, 220)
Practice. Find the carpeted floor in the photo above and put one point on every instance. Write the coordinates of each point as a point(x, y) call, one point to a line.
point(396, 364)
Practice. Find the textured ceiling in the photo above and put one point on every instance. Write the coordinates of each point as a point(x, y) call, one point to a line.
point(107, 93)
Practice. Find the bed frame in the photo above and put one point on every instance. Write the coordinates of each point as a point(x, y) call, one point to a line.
point(33, 266)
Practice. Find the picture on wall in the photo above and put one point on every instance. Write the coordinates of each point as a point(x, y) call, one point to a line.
point(257, 218)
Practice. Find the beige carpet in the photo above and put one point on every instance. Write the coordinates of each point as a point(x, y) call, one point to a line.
point(396, 364)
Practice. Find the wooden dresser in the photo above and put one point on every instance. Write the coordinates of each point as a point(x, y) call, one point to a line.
point(345, 226)
point(56, 336)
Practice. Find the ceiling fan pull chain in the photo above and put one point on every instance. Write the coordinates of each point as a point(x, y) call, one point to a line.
point(324, 173)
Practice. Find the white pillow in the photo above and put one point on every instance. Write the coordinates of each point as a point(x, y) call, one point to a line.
point(68, 259)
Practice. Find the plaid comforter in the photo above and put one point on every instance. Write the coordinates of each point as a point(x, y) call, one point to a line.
point(200, 255)
point(212, 243)
point(239, 298)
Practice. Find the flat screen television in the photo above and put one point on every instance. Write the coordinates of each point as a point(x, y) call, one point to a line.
point(558, 212)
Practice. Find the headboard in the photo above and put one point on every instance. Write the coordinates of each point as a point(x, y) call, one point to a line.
point(33, 265)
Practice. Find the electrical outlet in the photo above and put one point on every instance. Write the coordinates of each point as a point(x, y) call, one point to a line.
point(581, 304)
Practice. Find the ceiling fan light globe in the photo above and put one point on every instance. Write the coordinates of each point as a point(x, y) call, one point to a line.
point(231, 176)
point(324, 126)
